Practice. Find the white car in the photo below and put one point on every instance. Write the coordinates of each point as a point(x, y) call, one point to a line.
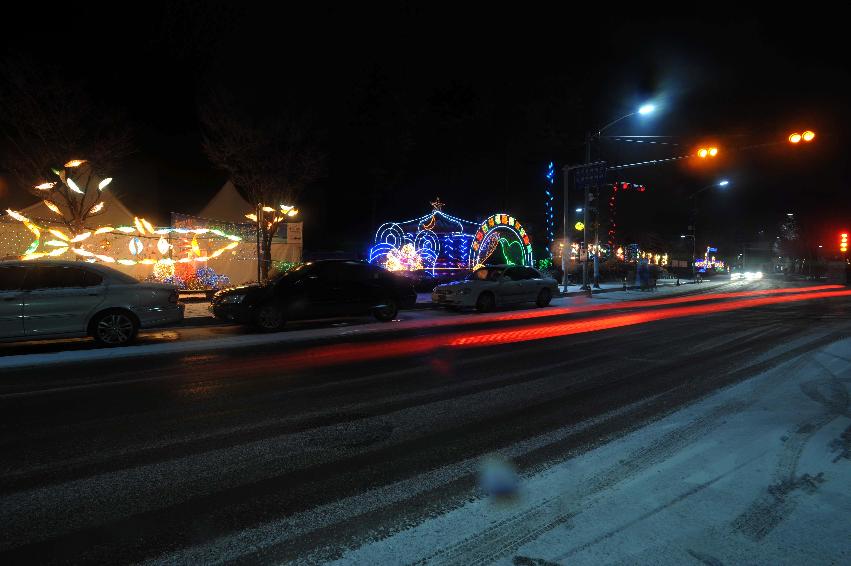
point(497, 285)
point(746, 275)
point(59, 299)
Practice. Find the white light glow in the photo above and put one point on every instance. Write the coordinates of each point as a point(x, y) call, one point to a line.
point(647, 109)
point(73, 186)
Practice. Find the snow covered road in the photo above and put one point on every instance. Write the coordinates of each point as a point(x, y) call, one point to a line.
point(758, 474)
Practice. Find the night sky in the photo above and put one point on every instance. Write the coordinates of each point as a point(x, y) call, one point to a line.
point(470, 105)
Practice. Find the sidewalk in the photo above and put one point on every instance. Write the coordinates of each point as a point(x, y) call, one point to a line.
point(609, 286)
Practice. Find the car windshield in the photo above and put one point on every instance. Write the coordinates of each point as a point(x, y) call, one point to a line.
point(290, 273)
point(486, 274)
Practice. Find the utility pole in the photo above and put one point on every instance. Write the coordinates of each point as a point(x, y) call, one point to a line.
point(585, 217)
point(259, 272)
point(693, 239)
point(565, 245)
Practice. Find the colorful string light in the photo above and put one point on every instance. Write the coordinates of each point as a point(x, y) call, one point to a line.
point(439, 241)
point(62, 242)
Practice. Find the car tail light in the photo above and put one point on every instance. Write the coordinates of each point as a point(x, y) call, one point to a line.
point(173, 297)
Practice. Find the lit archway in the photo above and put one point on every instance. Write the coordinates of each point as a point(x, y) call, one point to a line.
point(501, 239)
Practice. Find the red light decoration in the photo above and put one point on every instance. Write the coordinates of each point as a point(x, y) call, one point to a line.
point(619, 186)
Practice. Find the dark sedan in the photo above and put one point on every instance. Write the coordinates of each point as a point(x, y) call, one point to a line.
point(320, 289)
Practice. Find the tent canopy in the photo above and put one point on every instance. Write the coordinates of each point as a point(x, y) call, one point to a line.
point(227, 206)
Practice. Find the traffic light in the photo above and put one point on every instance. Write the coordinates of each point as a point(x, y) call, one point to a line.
point(705, 152)
point(806, 136)
point(843, 242)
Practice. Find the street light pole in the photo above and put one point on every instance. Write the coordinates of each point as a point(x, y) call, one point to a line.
point(259, 219)
point(721, 183)
point(585, 216)
point(589, 137)
point(565, 245)
point(693, 253)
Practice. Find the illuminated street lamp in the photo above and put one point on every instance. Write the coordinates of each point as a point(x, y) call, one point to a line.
point(693, 235)
point(644, 110)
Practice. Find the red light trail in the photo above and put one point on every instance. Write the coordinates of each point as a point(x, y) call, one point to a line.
point(349, 353)
point(640, 303)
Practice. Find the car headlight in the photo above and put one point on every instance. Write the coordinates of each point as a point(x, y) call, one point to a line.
point(231, 299)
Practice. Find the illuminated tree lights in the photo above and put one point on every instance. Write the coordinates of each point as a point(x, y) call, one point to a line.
point(439, 241)
point(146, 243)
point(406, 259)
point(202, 278)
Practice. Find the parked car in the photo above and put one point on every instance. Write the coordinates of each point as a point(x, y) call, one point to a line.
point(319, 289)
point(58, 299)
point(497, 285)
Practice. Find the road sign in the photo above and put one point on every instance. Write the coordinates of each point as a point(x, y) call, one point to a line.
point(591, 175)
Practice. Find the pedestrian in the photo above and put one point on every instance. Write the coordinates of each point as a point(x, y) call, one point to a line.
point(559, 275)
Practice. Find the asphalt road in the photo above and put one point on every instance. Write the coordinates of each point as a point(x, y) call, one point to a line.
point(296, 452)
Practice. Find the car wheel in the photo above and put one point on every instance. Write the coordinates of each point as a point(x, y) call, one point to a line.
point(544, 298)
point(269, 318)
point(486, 302)
point(114, 328)
point(386, 311)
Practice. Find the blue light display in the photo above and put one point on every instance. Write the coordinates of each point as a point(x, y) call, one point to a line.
point(441, 240)
point(445, 242)
point(548, 208)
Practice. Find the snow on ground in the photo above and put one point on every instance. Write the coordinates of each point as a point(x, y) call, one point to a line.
point(755, 474)
point(197, 309)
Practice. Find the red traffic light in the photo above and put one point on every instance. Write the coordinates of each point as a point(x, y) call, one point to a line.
point(843, 242)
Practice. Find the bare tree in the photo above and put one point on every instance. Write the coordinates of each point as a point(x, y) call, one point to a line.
point(270, 158)
point(46, 122)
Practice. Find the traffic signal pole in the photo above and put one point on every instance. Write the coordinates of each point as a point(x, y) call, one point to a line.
point(566, 244)
point(585, 217)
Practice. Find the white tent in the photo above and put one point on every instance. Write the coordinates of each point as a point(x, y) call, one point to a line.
point(230, 206)
point(227, 206)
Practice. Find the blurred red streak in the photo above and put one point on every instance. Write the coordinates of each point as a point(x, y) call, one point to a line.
point(350, 353)
point(646, 303)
